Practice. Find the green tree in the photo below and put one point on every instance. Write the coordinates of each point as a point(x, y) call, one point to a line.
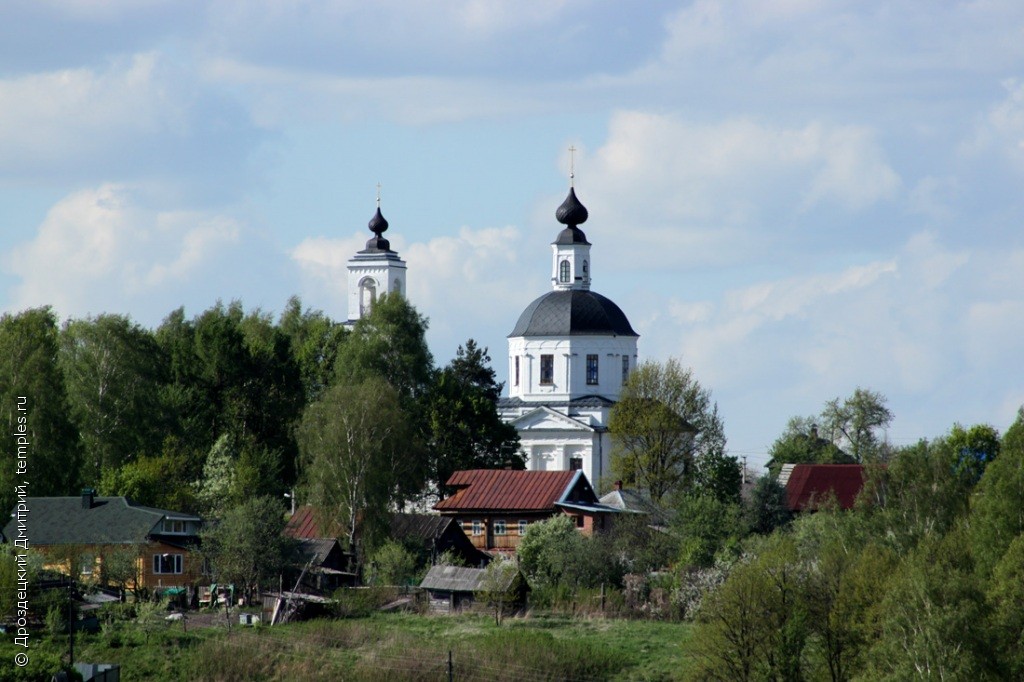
point(497, 589)
point(121, 567)
point(389, 343)
point(801, 444)
point(853, 424)
point(360, 456)
point(1006, 595)
point(997, 515)
point(247, 546)
point(705, 525)
point(549, 551)
point(465, 431)
point(315, 341)
point(934, 616)
point(159, 481)
point(767, 508)
point(663, 422)
point(113, 369)
point(926, 491)
point(392, 564)
point(34, 409)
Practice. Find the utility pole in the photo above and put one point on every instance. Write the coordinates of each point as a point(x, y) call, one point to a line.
point(743, 476)
point(71, 628)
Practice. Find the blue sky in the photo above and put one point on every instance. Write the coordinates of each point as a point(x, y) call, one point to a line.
point(795, 198)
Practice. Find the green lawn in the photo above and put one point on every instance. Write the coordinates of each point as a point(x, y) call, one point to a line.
point(393, 648)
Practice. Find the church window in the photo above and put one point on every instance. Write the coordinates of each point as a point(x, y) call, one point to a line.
point(515, 381)
point(591, 370)
point(563, 271)
point(625, 368)
point(367, 296)
point(398, 287)
point(575, 464)
point(547, 369)
point(586, 272)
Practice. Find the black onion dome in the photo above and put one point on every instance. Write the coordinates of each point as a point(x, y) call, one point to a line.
point(573, 312)
point(378, 225)
point(571, 213)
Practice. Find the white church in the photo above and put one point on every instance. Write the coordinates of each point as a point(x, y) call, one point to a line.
point(569, 353)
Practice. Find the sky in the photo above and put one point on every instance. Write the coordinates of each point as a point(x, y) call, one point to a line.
point(794, 198)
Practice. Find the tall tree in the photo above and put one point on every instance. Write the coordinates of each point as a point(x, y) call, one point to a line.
point(465, 430)
point(360, 457)
point(801, 443)
point(114, 370)
point(315, 341)
point(389, 343)
point(997, 516)
point(664, 420)
point(248, 546)
point(854, 423)
point(34, 409)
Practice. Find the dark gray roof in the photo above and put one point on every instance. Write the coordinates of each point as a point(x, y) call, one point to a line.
point(110, 520)
point(422, 527)
point(582, 401)
point(317, 549)
point(459, 579)
point(573, 312)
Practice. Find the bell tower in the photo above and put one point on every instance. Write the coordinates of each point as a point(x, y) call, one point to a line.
point(374, 271)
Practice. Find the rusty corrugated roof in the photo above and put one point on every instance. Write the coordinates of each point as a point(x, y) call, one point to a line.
point(504, 489)
point(303, 525)
point(809, 484)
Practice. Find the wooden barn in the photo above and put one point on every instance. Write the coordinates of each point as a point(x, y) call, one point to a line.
point(453, 588)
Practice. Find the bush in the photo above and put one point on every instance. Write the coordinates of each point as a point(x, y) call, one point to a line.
point(359, 602)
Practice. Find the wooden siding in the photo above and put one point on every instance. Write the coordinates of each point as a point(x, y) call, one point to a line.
point(55, 559)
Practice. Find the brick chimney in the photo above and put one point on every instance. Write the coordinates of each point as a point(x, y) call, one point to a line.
point(88, 495)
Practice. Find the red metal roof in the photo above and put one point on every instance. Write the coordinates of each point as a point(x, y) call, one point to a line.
point(809, 484)
point(504, 489)
point(303, 526)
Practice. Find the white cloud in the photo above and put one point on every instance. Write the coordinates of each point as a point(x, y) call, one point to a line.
point(99, 250)
point(705, 192)
point(1002, 127)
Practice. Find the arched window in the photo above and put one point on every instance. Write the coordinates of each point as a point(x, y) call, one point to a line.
point(586, 272)
point(563, 272)
point(398, 287)
point(367, 295)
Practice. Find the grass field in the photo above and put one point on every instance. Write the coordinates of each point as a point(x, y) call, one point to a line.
point(394, 648)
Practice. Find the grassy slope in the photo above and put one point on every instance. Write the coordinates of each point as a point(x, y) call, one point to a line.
point(398, 647)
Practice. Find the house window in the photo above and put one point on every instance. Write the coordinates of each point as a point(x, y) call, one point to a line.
point(563, 271)
point(547, 370)
point(625, 368)
point(499, 527)
point(591, 370)
point(516, 381)
point(167, 563)
point(177, 527)
point(575, 464)
point(522, 526)
point(478, 528)
point(579, 521)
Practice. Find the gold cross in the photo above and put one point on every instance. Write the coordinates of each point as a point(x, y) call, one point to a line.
point(378, 195)
point(572, 164)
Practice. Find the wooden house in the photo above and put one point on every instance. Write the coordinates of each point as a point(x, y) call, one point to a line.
point(453, 588)
point(80, 535)
point(495, 507)
point(432, 535)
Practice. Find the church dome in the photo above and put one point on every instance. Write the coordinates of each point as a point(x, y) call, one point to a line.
point(573, 312)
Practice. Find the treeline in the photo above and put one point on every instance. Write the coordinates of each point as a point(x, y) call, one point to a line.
point(923, 579)
point(202, 414)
